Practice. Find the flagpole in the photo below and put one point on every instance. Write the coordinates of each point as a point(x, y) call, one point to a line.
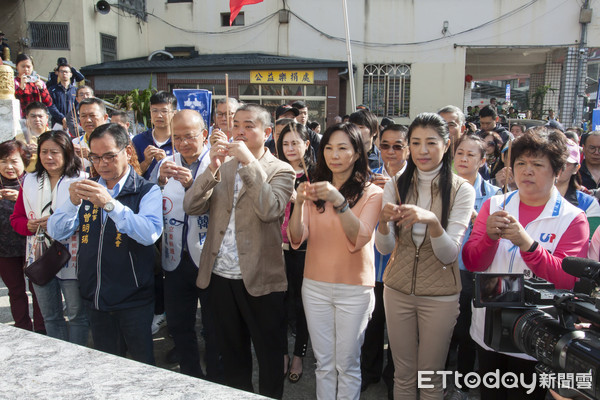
point(349, 55)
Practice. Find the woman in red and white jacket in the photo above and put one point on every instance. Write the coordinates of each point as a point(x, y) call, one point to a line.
point(529, 231)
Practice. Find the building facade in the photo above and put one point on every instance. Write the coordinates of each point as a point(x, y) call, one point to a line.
point(408, 56)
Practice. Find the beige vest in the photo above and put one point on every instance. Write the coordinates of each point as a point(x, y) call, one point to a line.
point(417, 271)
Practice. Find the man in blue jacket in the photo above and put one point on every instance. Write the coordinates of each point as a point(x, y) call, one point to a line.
point(63, 98)
point(118, 217)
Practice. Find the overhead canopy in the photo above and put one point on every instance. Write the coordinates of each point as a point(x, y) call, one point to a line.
point(504, 63)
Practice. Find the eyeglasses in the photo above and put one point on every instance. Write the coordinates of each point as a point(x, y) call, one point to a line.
point(107, 158)
point(224, 114)
point(186, 139)
point(593, 149)
point(396, 147)
point(163, 111)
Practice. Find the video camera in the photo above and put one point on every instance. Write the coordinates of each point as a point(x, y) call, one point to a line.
point(532, 317)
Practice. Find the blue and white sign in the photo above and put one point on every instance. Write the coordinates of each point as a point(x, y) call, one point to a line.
point(195, 99)
point(507, 95)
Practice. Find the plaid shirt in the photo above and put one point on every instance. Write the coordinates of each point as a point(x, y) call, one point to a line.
point(31, 93)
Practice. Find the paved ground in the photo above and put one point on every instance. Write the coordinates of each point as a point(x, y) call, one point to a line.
point(305, 389)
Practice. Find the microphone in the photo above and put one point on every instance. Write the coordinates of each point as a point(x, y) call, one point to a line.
point(582, 268)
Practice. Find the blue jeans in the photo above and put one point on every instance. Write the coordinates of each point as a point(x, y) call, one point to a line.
point(51, 305)
point(133, 325)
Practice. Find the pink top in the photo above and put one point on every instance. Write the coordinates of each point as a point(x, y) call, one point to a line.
point(479, 251)
point(330, 256)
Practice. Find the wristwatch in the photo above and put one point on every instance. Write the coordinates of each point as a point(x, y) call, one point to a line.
point(109, 206)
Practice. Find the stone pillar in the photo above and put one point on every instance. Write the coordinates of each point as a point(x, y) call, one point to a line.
point(10, 109)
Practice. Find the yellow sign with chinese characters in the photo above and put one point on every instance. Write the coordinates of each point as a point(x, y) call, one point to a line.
point(306, 77)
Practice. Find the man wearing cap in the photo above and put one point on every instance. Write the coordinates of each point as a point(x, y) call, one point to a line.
point(53, 78)
point(286, 112)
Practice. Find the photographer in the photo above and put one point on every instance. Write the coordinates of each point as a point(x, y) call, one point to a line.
point(528, 231)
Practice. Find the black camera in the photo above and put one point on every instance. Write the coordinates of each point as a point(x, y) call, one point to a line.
point(532, 317)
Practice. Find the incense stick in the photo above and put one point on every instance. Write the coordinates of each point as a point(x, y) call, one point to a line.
point(395, 182)
point(227, 103)
point(508, 154)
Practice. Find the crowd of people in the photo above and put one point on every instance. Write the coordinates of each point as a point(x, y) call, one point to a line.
point(370, 223)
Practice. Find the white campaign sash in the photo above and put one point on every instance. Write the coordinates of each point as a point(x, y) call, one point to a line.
point(546, 229)
point(35, 196)
point(174, 219)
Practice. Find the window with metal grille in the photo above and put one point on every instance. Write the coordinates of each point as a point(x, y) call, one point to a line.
point(49, 35)
point(108, 47)
point(386, 89)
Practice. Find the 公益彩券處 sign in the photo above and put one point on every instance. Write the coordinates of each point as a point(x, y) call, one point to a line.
point(306, 77)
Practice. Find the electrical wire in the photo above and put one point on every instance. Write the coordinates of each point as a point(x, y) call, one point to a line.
point(379, 44)
point(230, 31)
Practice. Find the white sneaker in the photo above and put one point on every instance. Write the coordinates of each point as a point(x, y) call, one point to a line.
point(158, 322)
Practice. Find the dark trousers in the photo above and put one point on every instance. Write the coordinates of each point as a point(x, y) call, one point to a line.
point(132, 325)
point(181, 304)
point(371, 354)
point(241, 318)
point(294, 266)
point(11, 272)
point(462, 342)
point(490, 361)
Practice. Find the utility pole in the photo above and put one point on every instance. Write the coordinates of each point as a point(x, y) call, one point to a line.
point(585, 17)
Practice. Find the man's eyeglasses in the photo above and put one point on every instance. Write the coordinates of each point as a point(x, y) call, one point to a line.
point(396, 147)
point(163, 111)
point(224, 114)
point(107, 158)
point(186, 139)
point(593, 149)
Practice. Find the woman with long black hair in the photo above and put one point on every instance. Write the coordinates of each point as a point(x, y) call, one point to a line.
point(293, 147)
point(336, 214)
point(422, 224)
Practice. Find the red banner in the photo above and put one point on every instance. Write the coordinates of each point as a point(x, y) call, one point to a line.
point(236, 5)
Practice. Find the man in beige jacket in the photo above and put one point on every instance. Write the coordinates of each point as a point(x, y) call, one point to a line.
point(245, 189)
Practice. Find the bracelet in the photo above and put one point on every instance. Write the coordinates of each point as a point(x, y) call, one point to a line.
point(342, 207)
point(532, 248)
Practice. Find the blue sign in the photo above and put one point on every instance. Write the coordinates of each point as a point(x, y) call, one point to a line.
point(195, 99)
point(507, 95)
point(596, 120)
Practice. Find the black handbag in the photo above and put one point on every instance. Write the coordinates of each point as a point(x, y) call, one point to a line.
point(47, 265)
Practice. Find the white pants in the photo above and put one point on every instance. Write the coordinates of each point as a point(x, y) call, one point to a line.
point(337, 316)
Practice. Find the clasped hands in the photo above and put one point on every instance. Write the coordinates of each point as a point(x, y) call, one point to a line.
point(503, 225)
point(318, 191)
point(406, 215)
point(92, 191)
point(168, 169)
point(222, 148)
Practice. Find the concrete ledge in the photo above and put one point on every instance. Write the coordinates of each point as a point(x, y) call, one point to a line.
point(34, 366)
